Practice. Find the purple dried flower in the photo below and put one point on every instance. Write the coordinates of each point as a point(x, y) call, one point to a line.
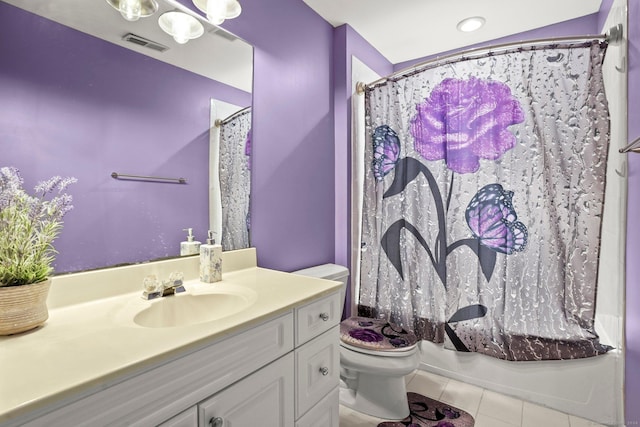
point(10, 184)
point(463, 121)
point(28, 227)
point(366, 335)
point(45, 187)
point(386, 151)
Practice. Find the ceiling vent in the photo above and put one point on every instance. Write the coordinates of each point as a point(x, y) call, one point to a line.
point(223, 33)
point(141, 41)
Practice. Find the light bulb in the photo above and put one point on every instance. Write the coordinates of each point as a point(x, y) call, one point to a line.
point(216, 11)
point(181, 30)
point(181, 26)
point(233, 9)
point(130, 9)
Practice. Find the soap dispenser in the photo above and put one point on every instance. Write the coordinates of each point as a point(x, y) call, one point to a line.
point(210, 260)
point(190, 246)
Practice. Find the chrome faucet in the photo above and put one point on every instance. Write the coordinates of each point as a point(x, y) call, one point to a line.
point(153, 288)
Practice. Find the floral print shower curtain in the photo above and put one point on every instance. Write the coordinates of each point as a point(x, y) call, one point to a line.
point(483, 199)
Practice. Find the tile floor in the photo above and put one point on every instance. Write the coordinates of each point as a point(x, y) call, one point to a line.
point(488, 408)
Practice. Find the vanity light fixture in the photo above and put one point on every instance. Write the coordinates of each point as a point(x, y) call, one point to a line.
point(219, 10)
point(181, 26)
point(471, 24)
point(132, 10)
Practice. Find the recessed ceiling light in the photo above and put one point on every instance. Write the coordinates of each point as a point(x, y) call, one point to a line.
point(471, 24)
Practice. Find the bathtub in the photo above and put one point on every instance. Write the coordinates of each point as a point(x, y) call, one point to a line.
point(589, 388)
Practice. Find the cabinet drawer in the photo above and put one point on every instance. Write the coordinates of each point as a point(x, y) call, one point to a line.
point(325, 414)
point(188, 418)
point(317, 317)
point(317, 369)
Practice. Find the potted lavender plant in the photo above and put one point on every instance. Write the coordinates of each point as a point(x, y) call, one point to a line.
point(28, 227)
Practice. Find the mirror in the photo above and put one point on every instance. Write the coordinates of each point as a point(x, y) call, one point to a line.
point(80, 100)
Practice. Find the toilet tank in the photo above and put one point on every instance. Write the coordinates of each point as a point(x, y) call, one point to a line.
point(334, 272)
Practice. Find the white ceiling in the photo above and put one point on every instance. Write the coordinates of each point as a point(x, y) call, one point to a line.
point(408, 29)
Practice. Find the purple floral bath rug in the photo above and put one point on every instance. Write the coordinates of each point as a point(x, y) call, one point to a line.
point(426, 412)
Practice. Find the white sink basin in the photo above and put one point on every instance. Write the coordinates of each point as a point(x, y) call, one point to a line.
point(190, 308)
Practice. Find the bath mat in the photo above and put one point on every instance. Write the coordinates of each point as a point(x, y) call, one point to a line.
point(426, 412)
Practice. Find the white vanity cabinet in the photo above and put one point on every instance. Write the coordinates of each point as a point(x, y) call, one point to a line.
point(283, 372)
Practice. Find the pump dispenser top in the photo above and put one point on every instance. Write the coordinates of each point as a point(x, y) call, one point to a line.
point(189, 246)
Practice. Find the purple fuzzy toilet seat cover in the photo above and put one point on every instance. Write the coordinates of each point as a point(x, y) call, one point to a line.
point(375, 334)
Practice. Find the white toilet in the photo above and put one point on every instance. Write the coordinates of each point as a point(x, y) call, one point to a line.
point(375, 356)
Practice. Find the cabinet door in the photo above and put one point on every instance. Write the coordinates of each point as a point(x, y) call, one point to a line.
point(264, 398)
point(326, 413)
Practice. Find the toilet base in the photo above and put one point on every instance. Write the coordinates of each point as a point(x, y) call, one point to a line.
point(378, 396)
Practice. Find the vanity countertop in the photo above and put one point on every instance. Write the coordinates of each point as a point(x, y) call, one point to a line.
point(90, 344)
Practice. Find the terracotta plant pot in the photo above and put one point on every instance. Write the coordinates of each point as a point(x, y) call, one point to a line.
point(23, 308)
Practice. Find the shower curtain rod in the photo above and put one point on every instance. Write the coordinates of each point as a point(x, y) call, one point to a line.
point(612, 36)
point(633, 147)
point(238, 113)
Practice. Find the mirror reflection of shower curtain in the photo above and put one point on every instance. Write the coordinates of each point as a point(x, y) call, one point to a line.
point(483, 199)
point(235, 180)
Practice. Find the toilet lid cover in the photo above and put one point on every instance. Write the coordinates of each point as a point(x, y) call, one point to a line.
point(375, 334)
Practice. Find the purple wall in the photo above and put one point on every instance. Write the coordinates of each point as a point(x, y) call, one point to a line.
point(346, 44)
point(74, 105)
point(632, 319)
point(292, 212)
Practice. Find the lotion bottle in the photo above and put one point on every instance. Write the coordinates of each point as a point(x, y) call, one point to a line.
point(210, 260)
point(190, 246)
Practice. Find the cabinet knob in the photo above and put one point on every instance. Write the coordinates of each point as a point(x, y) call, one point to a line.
point(216, 422)
point(324, 371)
point(324, 316)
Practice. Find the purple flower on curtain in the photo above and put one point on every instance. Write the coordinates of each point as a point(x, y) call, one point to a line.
point(493, 220)
point(366, 335)
point(463, 121)
point(386, 151)
point(247, 149)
